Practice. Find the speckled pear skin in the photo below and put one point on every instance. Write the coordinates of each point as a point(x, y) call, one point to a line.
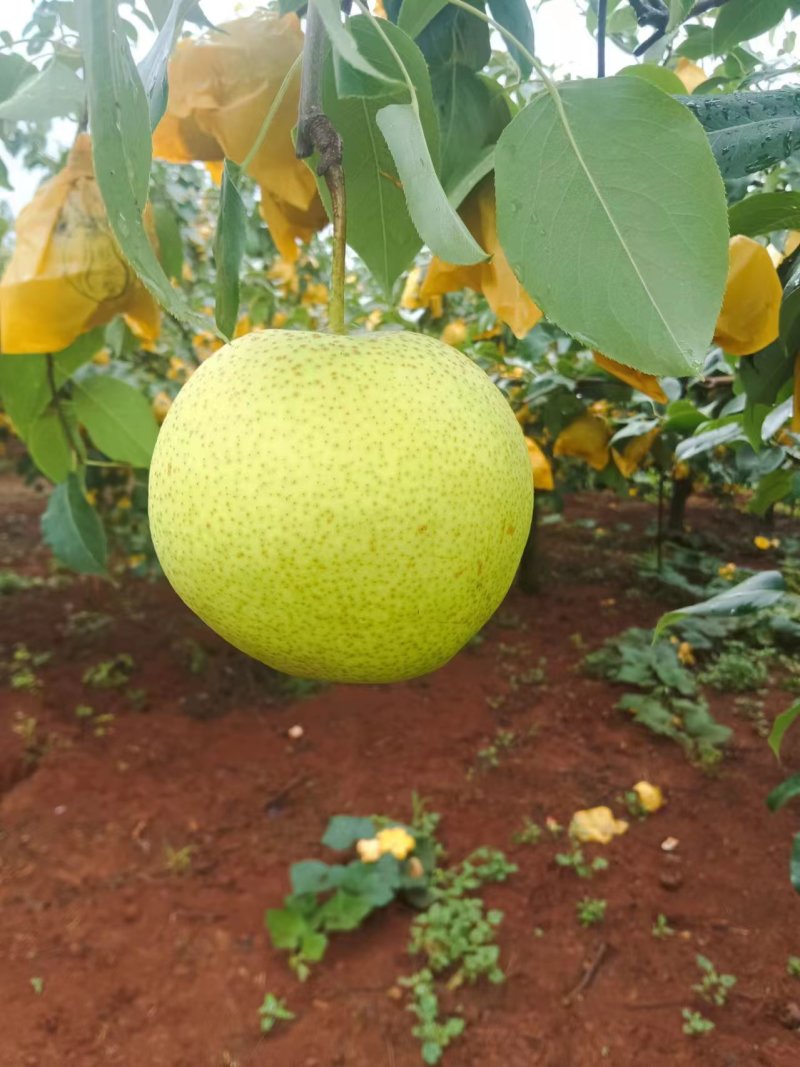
point(344, 508)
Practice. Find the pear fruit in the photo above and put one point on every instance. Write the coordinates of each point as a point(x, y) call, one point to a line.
point(348, 508)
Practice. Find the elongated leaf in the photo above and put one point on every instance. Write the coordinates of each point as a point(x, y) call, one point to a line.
point(464, 101)
point(153, 68)
point(780, 726)
point(794, 863)
point(118, 419)
point(749, 131)
point(483, 165)
point(49, 447)
point(24, 383)
point(742, 20)
point(772, 487)
point(790, 313)
point(229, 243)
point(435, 219)
point(777, 418)
point(764, 373)
point(379, 226)
point(515, 16)
point(55, 92)
point(764, 213)
point(782, 794)
point(170, 241)
point(119, 119)
point(348, 58)
point(754, 593)
point(416, 14)
point(725, 432)
point(598, 238)
point(73, 530)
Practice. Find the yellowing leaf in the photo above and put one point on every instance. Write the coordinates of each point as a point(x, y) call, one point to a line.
point(634, 451)
point(585, 438)
point(67, 273)
point(596, 825)
point(748, 320)
point(650, 796)
point(690, 74)
point(540, 466)
point(221, 87)
point(645, 383)
point(494, 277)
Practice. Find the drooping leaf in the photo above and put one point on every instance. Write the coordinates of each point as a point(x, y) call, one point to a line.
point(783, 793)
point(713, 434)
point(435, 219)
point(661, 77)
point(763, 374)
point(170, 241)
point(379, 226)
point(119, 120)
point(570, 213)
point(780, 726)
point(73, 530)
point(515, 16)
point(229, 242)
point(49, 446)
point(749, 131)
point(754, 593)
point(630, 458)
point(416, 14)
point(748, 319)
point(464, 101)
point(790, 313)
point(55, 92)
point(645, 383)
point(117, 417)
point(153, 68)
point(764, 213)
point(772, 487)
point(742, 20)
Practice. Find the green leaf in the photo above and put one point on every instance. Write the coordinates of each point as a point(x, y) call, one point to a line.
point(314, 876)
point(772, 487)
point(742, 20)
point(678, 11)
point(435, 219)
point(286, 927)
point(379, 227)
point(722, 431)
point(24, 384)
point(515, 16)
point(49, 447)
point(344, 911)
point(14, 70)
point(749, 131)
point(120, 124)
point(782, 794)
point(465, 101)
point(698, 43)
point(229, 243)
point(452, 35)
point(170, 241)
point(754, 593)
point(683, 417)
point(416, 14)
point(776, 419)
point(153, 68)
point(571, 212)
point(349, 59)
point(794, 864)
point(482, 166)
point(790, 312)
point(55, 92)
point(752, 421)
point(666, 80)
point(780, 726)
point(763, 374)
point(344, 830)
point(118, 419)
point(764, 213)
point(72, 529)
point(313, 945)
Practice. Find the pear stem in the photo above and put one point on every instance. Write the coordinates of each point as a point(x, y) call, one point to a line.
point(316, 133)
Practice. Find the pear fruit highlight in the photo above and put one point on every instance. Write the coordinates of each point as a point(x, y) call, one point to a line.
point(348, 508)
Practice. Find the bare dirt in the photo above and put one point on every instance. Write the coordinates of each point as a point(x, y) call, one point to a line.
point(142, 966)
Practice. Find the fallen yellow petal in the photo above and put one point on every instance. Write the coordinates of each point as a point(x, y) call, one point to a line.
point(596, 825)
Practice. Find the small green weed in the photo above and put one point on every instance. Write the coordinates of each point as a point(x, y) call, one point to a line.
point(87, 624)
point(530, 834)
point(273, 1011)
point(695, 1024)
point(11, 582)
point(23, 667)
point(793, 966)
point(37, 985)
point(488, 758)
point(34, 744)
point(577, 861)
point(736, 670)
point(111, 673)
point(591, 911)
point(661, 927)
point(178, 860)
point(713, 987)
point(99, 723)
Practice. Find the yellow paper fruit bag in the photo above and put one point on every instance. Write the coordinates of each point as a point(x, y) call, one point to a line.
point(67, 273)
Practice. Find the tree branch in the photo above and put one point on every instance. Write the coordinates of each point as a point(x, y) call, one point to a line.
point(602, 8)
point(699, 8)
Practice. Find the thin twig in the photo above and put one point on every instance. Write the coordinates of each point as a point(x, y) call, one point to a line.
point(62, 418)
point(699, 8)
point(589, 974)
point(602, 8)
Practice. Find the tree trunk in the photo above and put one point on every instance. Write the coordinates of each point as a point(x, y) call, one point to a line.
point(530, 567)
point(681, 491)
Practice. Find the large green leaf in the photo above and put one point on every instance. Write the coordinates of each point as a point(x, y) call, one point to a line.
point(343, 831)
point(379, 226)
point(742, 20)
point(119, 119)
point(678, 11)
point(73, 530)
point(229, 242)
point(716, 432)
point(763, 374)
point(664, 79)
point(515, 16)
point(24, 382)
point(749, 131)
point(117, 417)
point(612, 214)
point(55, 92)
point(153, 68)
point(781, 725)
point(764, 213)
point(170, 241)
point(451, 35)
point(14, 70)
point(754, 593)
point(351, 64)
point(772, 487)
point(416, 14)
point(465, 101)
point(435, 219)
point(49, 446)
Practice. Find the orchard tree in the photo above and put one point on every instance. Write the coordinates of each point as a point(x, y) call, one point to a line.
point(634, 236)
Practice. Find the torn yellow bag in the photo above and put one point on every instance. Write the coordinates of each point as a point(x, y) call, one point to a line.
point(67, 274)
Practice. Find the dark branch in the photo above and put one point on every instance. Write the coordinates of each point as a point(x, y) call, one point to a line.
point(602, 8)
point(661, 22)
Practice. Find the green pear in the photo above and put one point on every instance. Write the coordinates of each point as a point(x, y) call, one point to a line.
point(349, 508)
